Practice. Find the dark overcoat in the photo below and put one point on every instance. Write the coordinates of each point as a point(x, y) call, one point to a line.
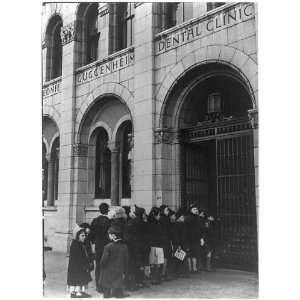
point(114, 265)
point(166, 234)
point(179, 236)
point(195, 227)
point(99, 235)
point(156, 234)
point(79, 267)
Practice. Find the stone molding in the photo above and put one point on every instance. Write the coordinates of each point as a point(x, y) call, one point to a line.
point(80, 150)
point(166, 136)
point(69, 32)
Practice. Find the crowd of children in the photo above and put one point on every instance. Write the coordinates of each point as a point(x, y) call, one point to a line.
point(132, 249)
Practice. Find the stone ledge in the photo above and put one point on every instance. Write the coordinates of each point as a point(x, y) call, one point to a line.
point(49, 208)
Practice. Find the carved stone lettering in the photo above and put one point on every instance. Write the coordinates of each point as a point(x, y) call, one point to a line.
point(204, 26)
point(103, 68)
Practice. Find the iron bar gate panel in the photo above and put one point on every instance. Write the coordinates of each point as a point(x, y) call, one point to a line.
point(236, 202)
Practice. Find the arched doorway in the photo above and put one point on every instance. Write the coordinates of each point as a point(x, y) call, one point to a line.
point(208, 107)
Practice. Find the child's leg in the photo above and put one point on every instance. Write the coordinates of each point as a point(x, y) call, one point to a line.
point(194, 264)
point(118, 293)
point(106, 293)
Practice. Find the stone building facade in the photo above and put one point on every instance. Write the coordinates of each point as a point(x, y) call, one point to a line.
point(150, 104)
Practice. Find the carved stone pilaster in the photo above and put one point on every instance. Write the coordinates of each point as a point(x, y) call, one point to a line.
point(80, 150)
point(253, 117)
point(103, 10)
point(70, 32)
point(165, 136)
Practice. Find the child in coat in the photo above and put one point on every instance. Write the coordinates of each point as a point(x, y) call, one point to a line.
point(79, 265)
point(156, 255)
point(114, 265)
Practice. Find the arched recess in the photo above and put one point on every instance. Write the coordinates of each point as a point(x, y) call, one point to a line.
point(50, 160)
point(102, 92)
point(44, 169)
point(124, 140)
point(210, 150)
point(96, 133)
point(50, 112)
point(54, 47)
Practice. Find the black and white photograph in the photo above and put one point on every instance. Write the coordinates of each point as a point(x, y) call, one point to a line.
point(150, 149)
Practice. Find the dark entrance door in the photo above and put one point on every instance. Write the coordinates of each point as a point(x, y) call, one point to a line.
point(219, 176)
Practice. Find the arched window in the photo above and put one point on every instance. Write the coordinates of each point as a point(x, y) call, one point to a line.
point(92, 33)
point(55, 162)
point(103, 166)
point(213, 5)
point(44, 172)
point(177, 13)
point(54, 48)
point(123, 34)
point(126, 155)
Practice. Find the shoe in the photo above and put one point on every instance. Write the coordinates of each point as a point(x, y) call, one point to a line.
point(85, 295)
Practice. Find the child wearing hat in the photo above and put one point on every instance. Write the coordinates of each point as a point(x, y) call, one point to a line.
point(79, 265)
point(114, 264)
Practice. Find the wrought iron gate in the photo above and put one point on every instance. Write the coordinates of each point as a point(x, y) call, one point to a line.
point(225, 187)
point(236, 207)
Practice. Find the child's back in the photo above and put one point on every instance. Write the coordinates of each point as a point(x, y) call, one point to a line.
point(113, 265)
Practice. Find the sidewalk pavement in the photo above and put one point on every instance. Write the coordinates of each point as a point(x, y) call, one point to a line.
point(212, 285)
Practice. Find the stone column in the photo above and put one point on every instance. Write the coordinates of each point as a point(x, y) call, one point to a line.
point(50, 184)
point(144, 166)
point(114, 174)
point(68, 211)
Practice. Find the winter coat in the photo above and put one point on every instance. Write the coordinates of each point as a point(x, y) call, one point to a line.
point(166, 233)
point(114, 265)
point(79, 267)
point(143, 241)
point(180, 236)
point(195, 226)
point(99, 235)
point(156, 234)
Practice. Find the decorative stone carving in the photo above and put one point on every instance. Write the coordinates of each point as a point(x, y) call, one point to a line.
point(80, 150)
point(69, 33)
point(253, 117)
point(102, 11)
point(165, 136)
point(138, 4)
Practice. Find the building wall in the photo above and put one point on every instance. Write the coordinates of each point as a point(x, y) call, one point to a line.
point(141, 77)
